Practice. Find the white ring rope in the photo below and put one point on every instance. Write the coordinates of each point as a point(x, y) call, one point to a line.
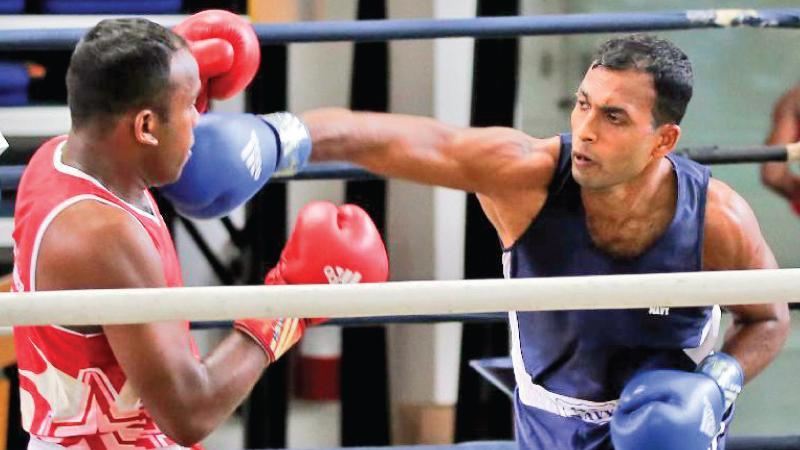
point(115, 306)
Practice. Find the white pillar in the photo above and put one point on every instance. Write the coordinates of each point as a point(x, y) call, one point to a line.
point(319, 75)
point(426, 226)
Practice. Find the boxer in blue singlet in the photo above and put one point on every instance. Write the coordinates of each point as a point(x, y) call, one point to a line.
point(608, 198)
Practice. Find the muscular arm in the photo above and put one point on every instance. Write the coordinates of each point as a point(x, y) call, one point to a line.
point(92, 245)
point(733, 241)
point(785, 130)
point(489, 161)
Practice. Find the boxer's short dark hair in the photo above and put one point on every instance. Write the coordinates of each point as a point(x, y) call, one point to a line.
point(119, 65)
point(669, 66)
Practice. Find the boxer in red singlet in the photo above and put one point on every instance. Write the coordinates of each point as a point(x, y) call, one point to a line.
point(84, 219)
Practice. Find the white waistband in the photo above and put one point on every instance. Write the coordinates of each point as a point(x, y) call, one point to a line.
point(38, 444)
point(535, 396)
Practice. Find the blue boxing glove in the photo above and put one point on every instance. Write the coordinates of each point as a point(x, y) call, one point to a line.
point(233, 156)
point(675, 410)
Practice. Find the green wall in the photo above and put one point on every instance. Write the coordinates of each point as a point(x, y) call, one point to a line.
point(738, 75)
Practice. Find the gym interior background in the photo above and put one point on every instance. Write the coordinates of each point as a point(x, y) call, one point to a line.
point(397, 380)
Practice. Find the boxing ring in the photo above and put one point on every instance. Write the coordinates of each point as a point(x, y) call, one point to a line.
point(748, 443)
point(112, 306)
point(430, 301)
point(486, 27)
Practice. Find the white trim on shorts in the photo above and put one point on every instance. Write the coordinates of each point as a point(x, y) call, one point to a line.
point(38, 444)
point(536, 396)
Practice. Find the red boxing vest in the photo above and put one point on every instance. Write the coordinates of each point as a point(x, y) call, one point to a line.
point(73, 391)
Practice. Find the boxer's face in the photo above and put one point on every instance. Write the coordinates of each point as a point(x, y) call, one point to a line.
point(612, 126)
point(176, 136)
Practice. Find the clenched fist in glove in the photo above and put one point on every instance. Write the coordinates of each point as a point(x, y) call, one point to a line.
point(329, 244)
point(233, 156)
point(227, 52)
point(676, 410)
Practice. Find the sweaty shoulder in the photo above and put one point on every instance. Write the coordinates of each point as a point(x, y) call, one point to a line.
point(510, 159)
point(91, 245)
point(511, 139)
point(732, 236)
point(521, 190)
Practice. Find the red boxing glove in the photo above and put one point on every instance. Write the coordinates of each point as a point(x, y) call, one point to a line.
point(227, 52)
point(332, 245)
point(329, 245)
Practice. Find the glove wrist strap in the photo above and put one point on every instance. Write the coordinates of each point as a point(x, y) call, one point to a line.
point(294, 139)
point(274, 336)
point(726, 371)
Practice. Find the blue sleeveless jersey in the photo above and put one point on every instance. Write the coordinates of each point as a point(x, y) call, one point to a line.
point(570, 366)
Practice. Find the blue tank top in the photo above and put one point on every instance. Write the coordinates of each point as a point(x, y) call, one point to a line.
point(590, 355)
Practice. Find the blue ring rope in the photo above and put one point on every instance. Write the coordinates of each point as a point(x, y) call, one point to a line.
point(482, 27)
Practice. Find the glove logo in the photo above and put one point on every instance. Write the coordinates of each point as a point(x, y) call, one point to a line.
point(276, 334)
point(341, 275)
point(251, 156)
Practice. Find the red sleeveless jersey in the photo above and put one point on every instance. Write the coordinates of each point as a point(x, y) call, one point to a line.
point(73, 392)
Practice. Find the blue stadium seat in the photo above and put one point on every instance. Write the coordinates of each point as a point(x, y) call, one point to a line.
point(14, 81)
point(111, 7)
point(12, 6)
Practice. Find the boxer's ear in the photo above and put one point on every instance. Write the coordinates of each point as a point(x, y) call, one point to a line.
point(667, 137)
point(145, 125)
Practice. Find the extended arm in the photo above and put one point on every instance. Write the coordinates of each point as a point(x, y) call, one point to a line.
point(483, 160)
